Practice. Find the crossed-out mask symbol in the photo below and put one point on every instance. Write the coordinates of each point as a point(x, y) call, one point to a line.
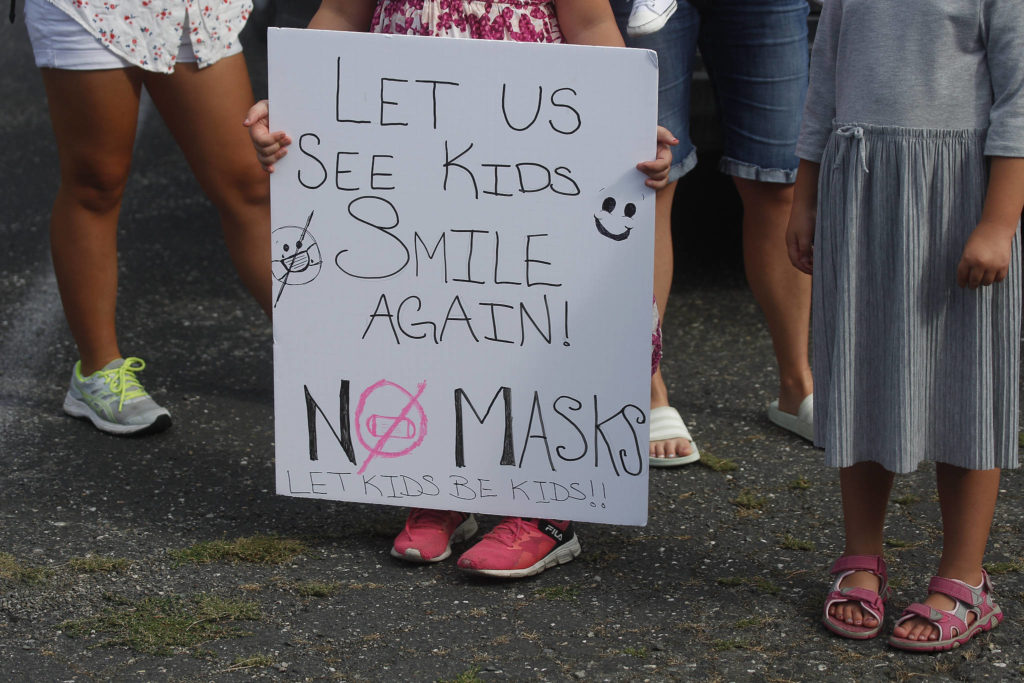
point(395, 423)
point(296, 255)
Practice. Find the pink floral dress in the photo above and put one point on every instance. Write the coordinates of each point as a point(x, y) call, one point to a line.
point(522, 21)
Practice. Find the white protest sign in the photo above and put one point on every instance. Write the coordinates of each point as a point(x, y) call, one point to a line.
point(462, 254)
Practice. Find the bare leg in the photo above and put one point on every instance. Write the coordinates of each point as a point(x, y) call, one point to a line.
point(968, 502)
point(204, 111)
point(782, 292)
point(865, 488)
point(663, 255)
point(94, 115)
point(663, 265)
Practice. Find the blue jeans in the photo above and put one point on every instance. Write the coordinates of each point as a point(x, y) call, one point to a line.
point(756, 53)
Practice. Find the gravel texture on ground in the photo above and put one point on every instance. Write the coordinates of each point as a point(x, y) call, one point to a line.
point(170, 558)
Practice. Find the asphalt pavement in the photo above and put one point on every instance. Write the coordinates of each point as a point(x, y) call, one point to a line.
point(170, 558)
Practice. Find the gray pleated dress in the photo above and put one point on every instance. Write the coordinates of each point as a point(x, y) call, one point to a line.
point(906, 100)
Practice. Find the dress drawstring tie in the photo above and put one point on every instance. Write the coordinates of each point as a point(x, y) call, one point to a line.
point(856, 134)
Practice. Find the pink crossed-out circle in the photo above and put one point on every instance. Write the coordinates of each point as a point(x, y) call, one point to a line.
point(378, 450)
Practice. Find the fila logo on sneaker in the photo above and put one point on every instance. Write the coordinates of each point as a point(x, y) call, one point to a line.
point(554, 532)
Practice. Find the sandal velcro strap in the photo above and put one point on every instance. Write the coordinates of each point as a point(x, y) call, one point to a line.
point(869, 599)
point(958, 590)
point(949, 624)
point(926, 612)
point(860, 563)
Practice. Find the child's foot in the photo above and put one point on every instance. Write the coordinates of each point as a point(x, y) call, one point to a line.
point(851, 612)
point(918, 628)
point(953, 613)
point(429, 534)
point(649, 16)
point(855, 606)
point(520, 547)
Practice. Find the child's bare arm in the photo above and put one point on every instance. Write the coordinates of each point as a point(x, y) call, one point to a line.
point(986, 256)
point(334, 15)
point(802, 217)
point(588, 22)
point(344, 15)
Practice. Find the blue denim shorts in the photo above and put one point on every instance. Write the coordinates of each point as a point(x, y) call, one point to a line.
point(756, 54)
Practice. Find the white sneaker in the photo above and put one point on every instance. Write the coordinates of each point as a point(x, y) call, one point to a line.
point(649, 16)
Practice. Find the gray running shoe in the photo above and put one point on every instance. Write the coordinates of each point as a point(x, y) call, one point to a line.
point(114, 400)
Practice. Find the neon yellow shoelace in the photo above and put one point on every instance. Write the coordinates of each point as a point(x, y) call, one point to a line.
point(123, 381)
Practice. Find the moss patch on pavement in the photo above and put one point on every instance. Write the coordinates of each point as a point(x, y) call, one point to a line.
point(259, 549)
point(1011, 567)
point(790, 542)
point(251, 662)
point(469, 676)
point(316, 589)
point(98, 563)
point(759, 583)
point(749, 499)
point(16, 572)
point(717, 464)
point(165, 625)
point(799, 484)
point(569, 593)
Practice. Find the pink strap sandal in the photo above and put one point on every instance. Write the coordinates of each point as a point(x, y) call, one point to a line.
point(870, 601)
point(953, 628)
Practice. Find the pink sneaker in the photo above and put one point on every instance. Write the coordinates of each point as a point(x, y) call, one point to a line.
point(520, 547)
point(428, 534)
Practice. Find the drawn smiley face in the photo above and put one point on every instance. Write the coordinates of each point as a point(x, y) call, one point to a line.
point(614, 225)
point(296, 256)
